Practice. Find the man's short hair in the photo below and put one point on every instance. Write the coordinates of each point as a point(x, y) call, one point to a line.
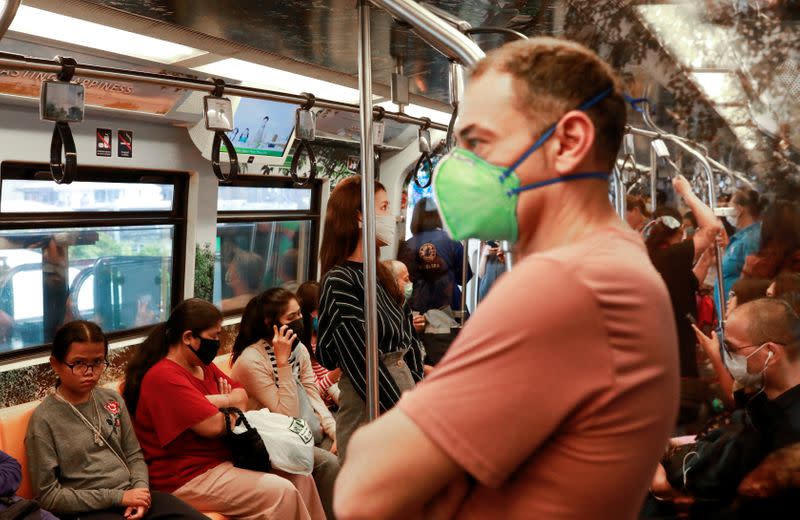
point(554, 76)
point(771, 320)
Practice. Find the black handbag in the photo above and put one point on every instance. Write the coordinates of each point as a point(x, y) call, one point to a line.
point(248, 449)
point(20, 509)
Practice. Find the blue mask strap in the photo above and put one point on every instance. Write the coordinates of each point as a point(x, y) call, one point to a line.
point(586, 105)
point(566, 178)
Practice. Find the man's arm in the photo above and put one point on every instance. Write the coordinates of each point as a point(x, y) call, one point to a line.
point(368, 490)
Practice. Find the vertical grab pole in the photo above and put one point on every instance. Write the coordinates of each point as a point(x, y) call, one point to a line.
point(619, 192)
point(653, 178)
point(456, 91)
point(368, 210)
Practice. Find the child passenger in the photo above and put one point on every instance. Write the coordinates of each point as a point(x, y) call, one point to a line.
point(85, 461)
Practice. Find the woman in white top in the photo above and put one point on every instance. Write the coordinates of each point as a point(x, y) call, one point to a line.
point(274, 367)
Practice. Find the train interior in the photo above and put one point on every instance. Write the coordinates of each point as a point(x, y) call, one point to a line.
point(145, 222)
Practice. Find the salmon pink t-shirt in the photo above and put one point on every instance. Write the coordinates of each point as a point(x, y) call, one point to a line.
point(171, 401)
point(560, 393)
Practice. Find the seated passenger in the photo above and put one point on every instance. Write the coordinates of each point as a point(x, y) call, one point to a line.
point(174, 392)
point(244, 278)
point(784, 283)
point(274, 367)
point(406, 286)
point(85, 461)
point(744, 290)
point(762, 351)
point(779, 247)
point(10, 479)
point(327, 380)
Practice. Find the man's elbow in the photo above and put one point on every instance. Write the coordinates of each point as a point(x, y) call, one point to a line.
point(355, 498)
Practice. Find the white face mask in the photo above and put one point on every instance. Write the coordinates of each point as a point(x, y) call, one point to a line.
point(385, 229)
point(737, 366)
point(733, 220)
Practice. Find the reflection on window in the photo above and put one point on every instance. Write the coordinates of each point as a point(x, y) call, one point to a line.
point(26, 196)
point(251, 198)
point(254, 256)
point(117, 277)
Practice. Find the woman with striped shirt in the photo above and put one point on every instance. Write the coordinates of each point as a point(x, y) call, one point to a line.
point(341, 342)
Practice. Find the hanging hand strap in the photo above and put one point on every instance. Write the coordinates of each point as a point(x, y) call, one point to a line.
point(64, 173)
point(221, 137)
point(424, 160)
point(312, 174)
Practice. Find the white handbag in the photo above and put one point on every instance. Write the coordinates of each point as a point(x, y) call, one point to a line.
point(289, 440)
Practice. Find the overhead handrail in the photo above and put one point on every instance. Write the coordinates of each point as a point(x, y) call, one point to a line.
point(495, 30)
point(712, 203)
point(62, 140)
point(221, 137)
point(7, 16)
point(437, 32)
point(20, 62)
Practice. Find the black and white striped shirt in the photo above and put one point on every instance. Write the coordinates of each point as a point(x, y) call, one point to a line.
point(341, 341)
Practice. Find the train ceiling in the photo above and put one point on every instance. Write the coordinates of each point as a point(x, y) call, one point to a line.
point(724, 72)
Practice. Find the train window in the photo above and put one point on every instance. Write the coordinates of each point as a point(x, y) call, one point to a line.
point(244, 198)
point(266, 237)
point(25, 196)
point(87, 252)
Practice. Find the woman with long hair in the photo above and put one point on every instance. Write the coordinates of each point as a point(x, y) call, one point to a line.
point(274, 367)
point(341, 314)
point(84, 458)
point(327, 380)
point(779, 248)
point(175, 391)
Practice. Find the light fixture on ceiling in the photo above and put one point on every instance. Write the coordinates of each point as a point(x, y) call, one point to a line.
point(280, 80)
point(436, 116)
point(719, 86)
point(54, 26)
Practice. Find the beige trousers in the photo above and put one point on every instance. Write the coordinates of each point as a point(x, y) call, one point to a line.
point(252, 495)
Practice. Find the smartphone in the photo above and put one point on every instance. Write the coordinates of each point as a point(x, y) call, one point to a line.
point(691, 319)
point(492, 243)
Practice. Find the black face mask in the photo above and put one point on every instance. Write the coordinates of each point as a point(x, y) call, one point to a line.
point(207, 351)
point(299, 329)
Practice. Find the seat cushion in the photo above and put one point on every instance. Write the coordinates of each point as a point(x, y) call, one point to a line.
point(13, 427)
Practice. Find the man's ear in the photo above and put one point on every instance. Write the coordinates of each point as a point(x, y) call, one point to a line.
point(776, 353)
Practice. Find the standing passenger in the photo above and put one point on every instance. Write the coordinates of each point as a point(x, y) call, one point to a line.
point(559, 395)
point(341, 317)
point(85, 461)
point(175, 393)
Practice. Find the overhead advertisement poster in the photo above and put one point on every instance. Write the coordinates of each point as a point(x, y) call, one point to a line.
point(122, 95)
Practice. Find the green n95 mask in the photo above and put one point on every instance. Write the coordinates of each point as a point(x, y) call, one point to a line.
point(478, 199)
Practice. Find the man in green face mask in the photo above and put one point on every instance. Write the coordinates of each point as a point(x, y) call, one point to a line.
point(557, 398)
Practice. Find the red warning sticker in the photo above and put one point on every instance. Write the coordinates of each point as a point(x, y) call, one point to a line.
point(103, 142)
point(125, 143)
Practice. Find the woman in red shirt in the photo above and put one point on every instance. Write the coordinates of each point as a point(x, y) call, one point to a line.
point(174, 392)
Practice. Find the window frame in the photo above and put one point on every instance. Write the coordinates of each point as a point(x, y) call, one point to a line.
point(176, 217)
point(271, 181)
